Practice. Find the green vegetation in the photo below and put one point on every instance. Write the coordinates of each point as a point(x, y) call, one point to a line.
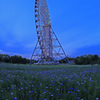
point(82, 60)
point(59, 82)
point(87, 59)
point(13, 59)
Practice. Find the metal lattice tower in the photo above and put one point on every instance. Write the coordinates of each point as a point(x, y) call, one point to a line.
point(48, 49)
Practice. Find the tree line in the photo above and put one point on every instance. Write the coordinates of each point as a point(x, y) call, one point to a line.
point(13, 59)
point(87, 59)
point(82, 60)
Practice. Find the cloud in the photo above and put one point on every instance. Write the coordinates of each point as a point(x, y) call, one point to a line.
point(94, 49)
point(13, 53)
point(77, 39)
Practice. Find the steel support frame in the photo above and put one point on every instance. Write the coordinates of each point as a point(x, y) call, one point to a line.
point(46, 37)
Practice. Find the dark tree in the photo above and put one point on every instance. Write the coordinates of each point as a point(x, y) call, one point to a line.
point(0, 57)
point(96, 57)
point(87, 59)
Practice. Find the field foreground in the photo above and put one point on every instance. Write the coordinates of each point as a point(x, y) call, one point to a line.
point(59, 82)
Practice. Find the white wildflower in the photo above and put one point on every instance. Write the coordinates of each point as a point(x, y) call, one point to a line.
point(1, 90)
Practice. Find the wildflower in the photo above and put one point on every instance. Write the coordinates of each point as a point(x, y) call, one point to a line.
point(69, 91)
point(29, 91)
point(15, 98)
point(30, 98)
point(35, 92)
point(11, 88)
point(40, 84)
point(44, 92)
point(97, 98)
point(51, 95)
point(75, 93)
point(61, 83)
point(45, 99)
point(84, 90)
point(61, 89)
point(78, 98)
point(90, 79)
point(47, 91)
point(1, 90)
point(7, 87)
point(72, 88)
point(11, 93)
point(1, 81)
point(59, 94)
point(81, 82)
point(27, 94)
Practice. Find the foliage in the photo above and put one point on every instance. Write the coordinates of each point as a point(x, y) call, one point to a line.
point(65, 60)
point(87, 59)
point(82, 60)
point(13, 59)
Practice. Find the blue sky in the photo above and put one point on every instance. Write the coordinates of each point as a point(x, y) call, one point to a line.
point(75, 22)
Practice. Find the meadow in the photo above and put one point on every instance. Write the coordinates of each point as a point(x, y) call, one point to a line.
point(55, 82)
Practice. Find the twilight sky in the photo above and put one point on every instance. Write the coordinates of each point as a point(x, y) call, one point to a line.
point(75, 22)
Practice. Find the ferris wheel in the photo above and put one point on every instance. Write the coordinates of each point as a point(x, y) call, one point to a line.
point(48, 48)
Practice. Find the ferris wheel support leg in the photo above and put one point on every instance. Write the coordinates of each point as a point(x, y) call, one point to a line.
point(49, 46)
point(61, 47)
point(33, 53)
point(41, 62)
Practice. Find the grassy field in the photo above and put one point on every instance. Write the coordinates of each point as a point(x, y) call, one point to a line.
point(56, 82)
